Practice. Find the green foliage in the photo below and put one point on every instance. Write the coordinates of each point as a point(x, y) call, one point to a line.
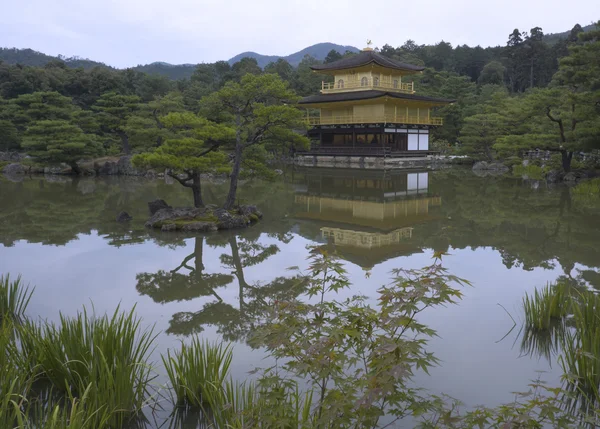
point(114, 110)
point(189, 148)
point(531, 171)
point(59, 141)
point(9, 137)
point(357, 359)
point(261, 111)
point(192, 148)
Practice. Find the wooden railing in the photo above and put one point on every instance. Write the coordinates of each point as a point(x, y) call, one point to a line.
point(374, 119)
point(328, 88)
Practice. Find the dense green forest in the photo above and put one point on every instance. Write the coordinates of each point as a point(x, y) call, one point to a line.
point(528, 94)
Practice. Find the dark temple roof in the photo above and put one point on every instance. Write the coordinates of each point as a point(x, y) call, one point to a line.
point(367, 95)
point(364, 58)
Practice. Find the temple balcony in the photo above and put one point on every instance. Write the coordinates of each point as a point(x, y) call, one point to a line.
point(367, 84)
point(374, 119)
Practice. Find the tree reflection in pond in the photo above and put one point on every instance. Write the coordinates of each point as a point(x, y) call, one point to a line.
point(234, 323)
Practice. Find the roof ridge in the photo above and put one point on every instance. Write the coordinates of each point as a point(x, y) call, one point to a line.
point(366, 57)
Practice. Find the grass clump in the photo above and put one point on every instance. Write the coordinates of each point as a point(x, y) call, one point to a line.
point(198, 370)
point(14, 298)
point(587, 187)
point(546, 306)
point(104, 358)
point(581, 351)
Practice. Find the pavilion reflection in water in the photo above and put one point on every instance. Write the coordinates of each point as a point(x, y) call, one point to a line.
point(368, 216)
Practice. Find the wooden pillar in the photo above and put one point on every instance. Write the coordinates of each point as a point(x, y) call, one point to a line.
point(353, 138)
point(418, 116)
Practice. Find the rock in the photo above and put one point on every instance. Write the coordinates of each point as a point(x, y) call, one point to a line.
point(156, 205)
point(13, 169)
point(150, 174)
point(57, 170)
point(525, 163)
point(168, 227)
point(570, 177)
point(279, 172)
point(126, 168)
point(554, 176)
point(483, 168)
point(199, 226)
point(166, 215)
point(123, 217)
point(109, 168)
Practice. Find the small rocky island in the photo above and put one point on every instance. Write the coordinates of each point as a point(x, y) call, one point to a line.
point(200, 219)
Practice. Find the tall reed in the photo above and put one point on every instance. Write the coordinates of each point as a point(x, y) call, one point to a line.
point(197, 369)
point(581, 351)
point(546, 306)
point(107, 357)
point(14, 298)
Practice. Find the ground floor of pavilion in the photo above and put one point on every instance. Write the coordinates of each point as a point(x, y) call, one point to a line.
point(374, 140)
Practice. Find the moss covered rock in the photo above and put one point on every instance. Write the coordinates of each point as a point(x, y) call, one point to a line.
point(203, 219)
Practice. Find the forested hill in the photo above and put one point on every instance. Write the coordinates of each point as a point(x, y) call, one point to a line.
point(552, 38)
point(318, 52)
point(29, 57)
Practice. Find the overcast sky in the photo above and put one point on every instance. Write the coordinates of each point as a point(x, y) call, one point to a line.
point(129, 32)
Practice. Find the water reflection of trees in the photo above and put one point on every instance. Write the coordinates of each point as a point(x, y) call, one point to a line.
point(234, 321)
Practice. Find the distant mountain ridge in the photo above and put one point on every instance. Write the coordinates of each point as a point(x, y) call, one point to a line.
point(318, 51)
point(29, 57)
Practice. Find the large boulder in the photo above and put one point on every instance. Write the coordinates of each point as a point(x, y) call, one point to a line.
point(156, 205)
point(13, 169)
point(126, 168)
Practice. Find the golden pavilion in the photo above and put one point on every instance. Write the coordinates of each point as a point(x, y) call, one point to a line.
point(370, 109)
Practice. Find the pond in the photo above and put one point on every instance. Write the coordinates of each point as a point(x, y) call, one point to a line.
point(505, 235)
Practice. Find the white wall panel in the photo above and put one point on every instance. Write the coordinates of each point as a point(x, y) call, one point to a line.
point(413, 142)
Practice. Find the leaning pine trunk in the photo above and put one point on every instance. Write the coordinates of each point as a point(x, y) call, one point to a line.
point(197, 190)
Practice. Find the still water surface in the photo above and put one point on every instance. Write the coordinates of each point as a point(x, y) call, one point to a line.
point(505, 235)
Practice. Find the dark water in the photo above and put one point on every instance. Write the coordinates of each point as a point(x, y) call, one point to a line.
point(505, 235)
